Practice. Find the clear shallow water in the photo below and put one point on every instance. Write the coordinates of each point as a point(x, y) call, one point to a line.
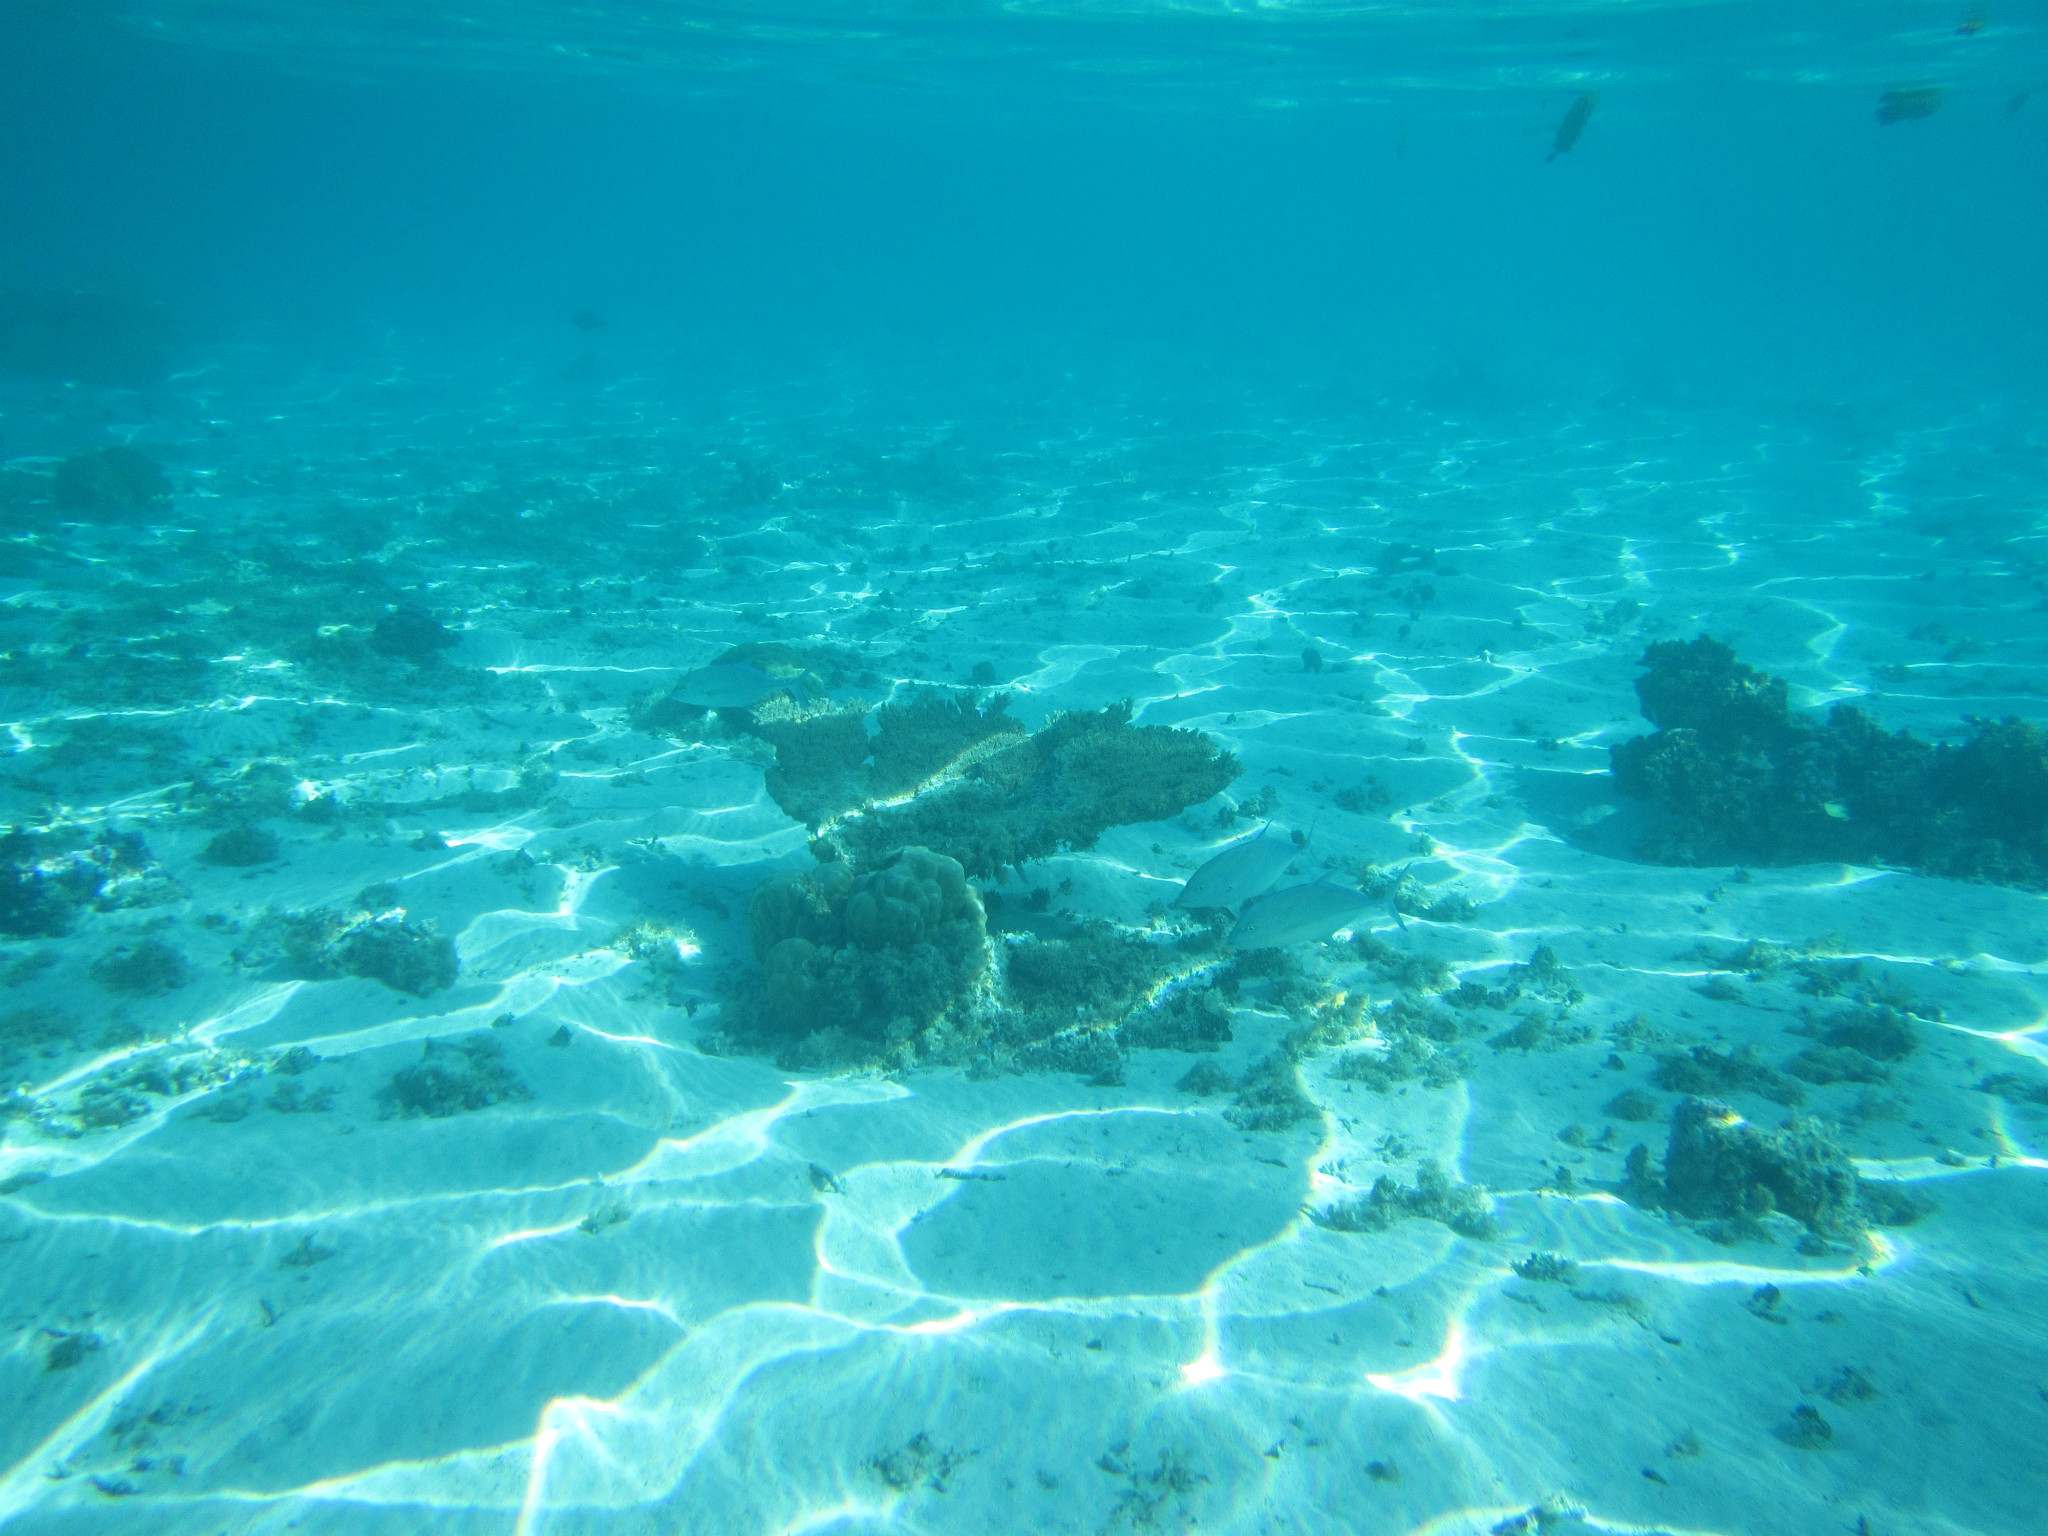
point(1109, 373)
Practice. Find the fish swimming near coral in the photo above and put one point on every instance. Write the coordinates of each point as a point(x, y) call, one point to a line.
point(1247, 868)
point(730, 685)
point(1299, 914)
point(1576, 116)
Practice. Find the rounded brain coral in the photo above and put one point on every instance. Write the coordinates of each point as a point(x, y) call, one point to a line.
point(911, 902)
point(808, 906)
point(873, 957)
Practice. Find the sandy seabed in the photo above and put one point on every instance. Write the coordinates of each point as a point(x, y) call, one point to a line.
point(595, 1278)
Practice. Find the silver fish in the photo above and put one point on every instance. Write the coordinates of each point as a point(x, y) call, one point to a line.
point(1298, 915)
point(729, 685)
point(1247, 868)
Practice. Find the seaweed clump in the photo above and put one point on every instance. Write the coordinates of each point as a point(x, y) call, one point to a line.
point(405, 955)
point(1704, 1070)
point(1270, 1098)
point(1186, 1019)
point(453, 1079)
point(1417, 1044)
point(32, 904)
point(41, 885)
point(1436, 1196)
point(1093, 971)
point(148, 967)
point(26, 1032)
point(1720, 1169)
point(241, 848)
point(1745, 780)
point(411, 633)
point(863, 968)
point(1059, 788)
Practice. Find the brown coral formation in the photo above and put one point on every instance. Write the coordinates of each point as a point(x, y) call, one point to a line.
point(1059, 788)
point(866, 967)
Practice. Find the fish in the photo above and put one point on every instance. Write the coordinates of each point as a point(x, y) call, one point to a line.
point(1297, 915)
point(1903, 105)
point(1247, 868)
point(1576, 116)
point(730, 685)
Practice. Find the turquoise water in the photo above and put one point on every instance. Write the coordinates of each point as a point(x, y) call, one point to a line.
point(627, 633)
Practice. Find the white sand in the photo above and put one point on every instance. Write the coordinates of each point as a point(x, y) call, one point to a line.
point(679, 1292)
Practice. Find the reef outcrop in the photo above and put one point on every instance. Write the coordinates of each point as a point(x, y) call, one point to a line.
point(882, 954)
point(1724, 1171)
point(866, 967)
point(1743, 779)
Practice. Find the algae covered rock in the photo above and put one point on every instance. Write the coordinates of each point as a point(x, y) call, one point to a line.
point(969, 782)
point(148, 967)
point(411, 633)
point(1742, 779)
point(1704, 1070)
point(241, 847)
point(882, 952)
point(407, 955)
point(1718, 1165)
point(32, 904)
point(1436, 1196)
point(865, 967)
point(452, 1079)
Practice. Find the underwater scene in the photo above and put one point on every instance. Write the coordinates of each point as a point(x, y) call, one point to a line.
point(1070, 766)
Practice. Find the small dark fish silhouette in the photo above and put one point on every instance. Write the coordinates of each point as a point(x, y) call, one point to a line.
point(1576, 116)
point(1916, 101)
point(1972, 24)
point(586, 320)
